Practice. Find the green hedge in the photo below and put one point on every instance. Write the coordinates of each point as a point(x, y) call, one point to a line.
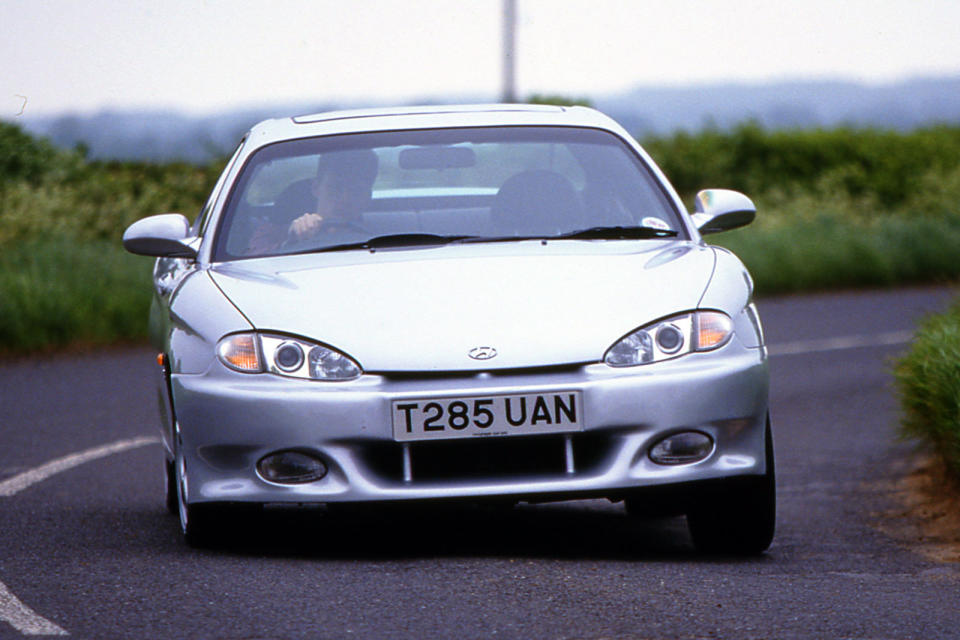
point(928, 379)
point(886, 166)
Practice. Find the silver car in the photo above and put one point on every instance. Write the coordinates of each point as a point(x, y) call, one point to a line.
point(505, 303)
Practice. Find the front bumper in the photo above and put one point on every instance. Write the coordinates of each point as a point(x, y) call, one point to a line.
point(228, 421)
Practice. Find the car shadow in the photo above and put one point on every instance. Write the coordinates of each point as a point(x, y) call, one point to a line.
point(586, 529)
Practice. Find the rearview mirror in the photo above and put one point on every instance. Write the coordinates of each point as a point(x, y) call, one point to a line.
point(721, 210)
point(163, 236)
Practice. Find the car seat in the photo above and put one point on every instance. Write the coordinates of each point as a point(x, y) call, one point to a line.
point(536, 202)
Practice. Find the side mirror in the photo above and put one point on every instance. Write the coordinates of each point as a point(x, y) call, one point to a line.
point(163, 236)
point(721, 210)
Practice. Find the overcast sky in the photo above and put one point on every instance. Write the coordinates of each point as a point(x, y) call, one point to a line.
point(202, 56)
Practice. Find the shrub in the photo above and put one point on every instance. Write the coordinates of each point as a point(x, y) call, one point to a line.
point(928, 379)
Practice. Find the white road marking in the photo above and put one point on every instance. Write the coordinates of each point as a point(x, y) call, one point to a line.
point(23, 618)
point(18, 615)
point(836, 344)
point(21, 481)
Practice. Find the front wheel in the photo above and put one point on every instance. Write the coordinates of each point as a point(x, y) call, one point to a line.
point(170, 487)
point(199, 523)
point(740, 519)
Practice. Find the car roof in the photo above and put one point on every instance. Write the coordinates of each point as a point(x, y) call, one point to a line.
point(426, 117)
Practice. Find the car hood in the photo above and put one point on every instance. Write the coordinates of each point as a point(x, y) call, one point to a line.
point(426, 309)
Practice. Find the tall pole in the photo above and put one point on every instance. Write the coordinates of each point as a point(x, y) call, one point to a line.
point(509, 50)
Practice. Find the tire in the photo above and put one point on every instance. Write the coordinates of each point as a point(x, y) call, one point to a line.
point(740, 519)
point(199, 523)
point(170, 491)
point(208, 524)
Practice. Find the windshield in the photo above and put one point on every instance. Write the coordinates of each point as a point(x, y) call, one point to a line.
point(442, 185)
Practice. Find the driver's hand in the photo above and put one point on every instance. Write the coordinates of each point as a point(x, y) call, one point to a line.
point(306, 225)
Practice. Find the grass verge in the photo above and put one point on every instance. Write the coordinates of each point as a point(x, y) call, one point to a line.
point(56, 292)
point(832, 252)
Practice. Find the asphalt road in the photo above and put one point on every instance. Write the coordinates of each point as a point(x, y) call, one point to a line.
point(91, 551)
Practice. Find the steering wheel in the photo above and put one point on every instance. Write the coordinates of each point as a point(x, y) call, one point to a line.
point(332, 226)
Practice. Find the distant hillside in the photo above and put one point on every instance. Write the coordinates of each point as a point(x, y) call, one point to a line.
point(903, 105)
point(164, 136)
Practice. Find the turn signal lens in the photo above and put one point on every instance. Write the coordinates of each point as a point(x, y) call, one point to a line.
point(714, 329)
point(240, 353)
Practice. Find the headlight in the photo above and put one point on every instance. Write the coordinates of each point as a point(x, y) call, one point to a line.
point(256, 353)
point(670, 338)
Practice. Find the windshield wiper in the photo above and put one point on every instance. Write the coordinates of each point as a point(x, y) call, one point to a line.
point(426, 239)
point(390, 240)
point(617, 233)
point(477, 239)
point(593, 233)
point(410, 239)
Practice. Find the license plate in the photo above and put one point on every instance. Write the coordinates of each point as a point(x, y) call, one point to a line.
point(479, 416)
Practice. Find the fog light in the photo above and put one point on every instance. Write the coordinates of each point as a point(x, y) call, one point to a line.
point(682, 448)
point(291, 467)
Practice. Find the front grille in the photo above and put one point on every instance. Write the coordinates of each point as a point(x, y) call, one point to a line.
point(489, 459)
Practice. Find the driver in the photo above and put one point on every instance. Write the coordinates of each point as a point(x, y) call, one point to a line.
point(340, 193)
